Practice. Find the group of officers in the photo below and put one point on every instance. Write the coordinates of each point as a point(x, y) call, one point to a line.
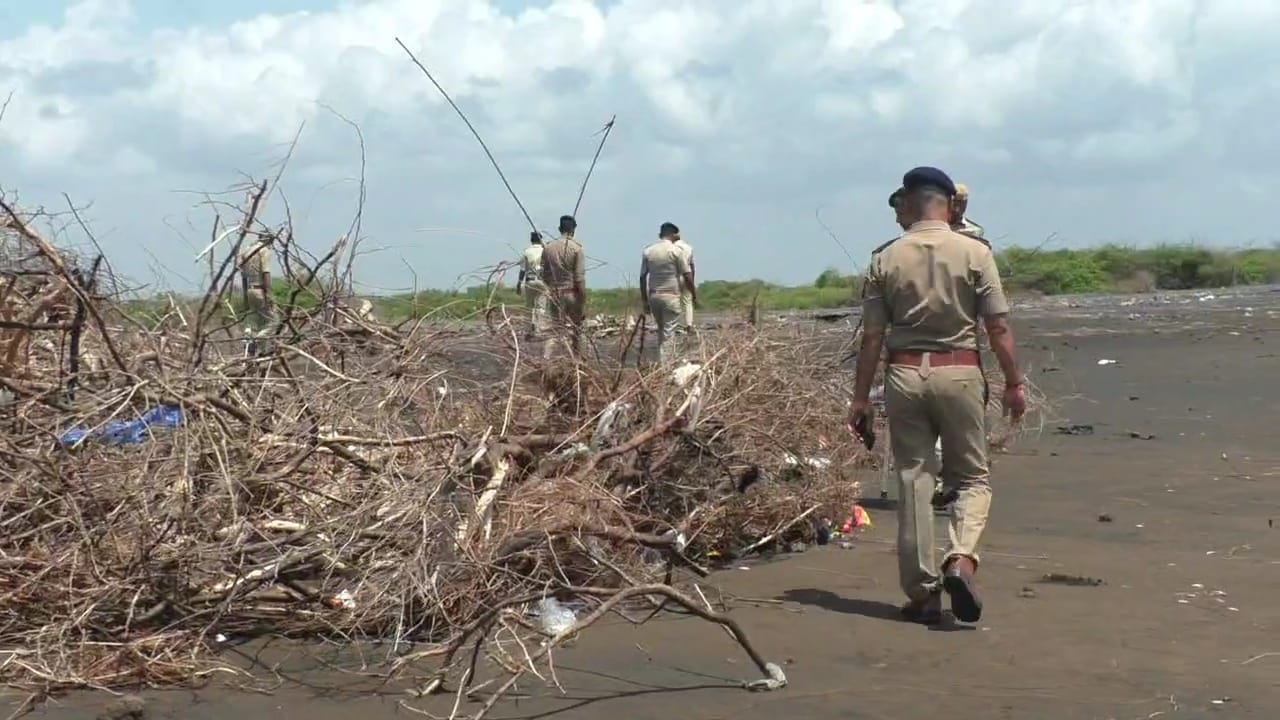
point(926, 295)
point(553, 282)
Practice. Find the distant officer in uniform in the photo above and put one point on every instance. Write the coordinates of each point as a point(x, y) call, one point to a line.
point(926, 289)
point(564, 271)
point(686, 294)
point(897, 201)
point(530, 280)
point(255, 275)
point(665, 274)
point(960, 223)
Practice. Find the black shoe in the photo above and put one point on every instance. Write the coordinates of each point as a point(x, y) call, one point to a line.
point(924, 612)
point(958, 581)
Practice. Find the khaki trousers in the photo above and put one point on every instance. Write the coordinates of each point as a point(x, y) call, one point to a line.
point(686, 309)
point(257, 320)
point(923, 404)
point(535, 302)
point(667, 315)
point(565, 311)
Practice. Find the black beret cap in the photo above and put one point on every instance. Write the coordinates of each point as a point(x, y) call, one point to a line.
point(928, 177)
point(895, 196)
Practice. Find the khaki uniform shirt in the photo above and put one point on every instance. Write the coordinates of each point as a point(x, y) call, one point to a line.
point(930, 286)
point(687, 249)
point(564, 264)
point(531, 265)
point(255, 259)
point(665, 264)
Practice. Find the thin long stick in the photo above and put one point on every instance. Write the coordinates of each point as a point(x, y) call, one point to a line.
point(470, 127)
point(608, 128)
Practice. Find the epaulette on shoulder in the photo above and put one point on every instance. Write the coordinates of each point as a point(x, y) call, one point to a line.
point(882, 247)
point(972, 236)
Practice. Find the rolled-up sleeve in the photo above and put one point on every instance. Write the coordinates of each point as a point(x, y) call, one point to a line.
point(991, 297)
point(875, 306)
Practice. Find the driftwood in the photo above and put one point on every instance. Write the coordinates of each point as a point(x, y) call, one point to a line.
point(419, 483)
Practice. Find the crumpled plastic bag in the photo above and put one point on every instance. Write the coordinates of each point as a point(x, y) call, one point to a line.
point(125, 432)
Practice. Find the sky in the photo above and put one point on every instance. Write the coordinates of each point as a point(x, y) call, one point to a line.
point(745, 122)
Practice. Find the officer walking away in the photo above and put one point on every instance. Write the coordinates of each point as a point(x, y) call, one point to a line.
point(926, 291)
point(564, 272)
point(686, 295)
point(255, 275)
point(530, 281)
point(960, 223)
point(665, 274)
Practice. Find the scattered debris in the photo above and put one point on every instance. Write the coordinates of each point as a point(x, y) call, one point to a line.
point(1074, 430)
point(1134, 434)
point(555, 618)
point(1027, 593)
point(1105, 518)
point(858, 519)
point(1106, 361)
point(1074, 580)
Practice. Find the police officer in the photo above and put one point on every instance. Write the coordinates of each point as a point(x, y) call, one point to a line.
point(564, 270)
point(960, 223)
point(926, 291)
point(665, 275)
point(254, 262)
point(686, 289)
point(535, 291)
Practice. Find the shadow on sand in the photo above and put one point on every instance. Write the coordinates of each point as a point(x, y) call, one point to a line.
point(874, 609)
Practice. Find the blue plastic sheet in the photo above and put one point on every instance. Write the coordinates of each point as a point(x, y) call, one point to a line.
point(122, 432)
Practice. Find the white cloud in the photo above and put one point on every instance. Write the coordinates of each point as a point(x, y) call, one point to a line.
point(735, 115)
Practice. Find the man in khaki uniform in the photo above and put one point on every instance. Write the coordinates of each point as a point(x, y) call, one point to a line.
point(255, 274)
point(686, 295)
point(926, 291)
point(530, 281)
point(960, 223)
point(564, 271)
point(665, 275)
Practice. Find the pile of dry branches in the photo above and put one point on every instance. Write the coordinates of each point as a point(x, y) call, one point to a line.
point(417, 483)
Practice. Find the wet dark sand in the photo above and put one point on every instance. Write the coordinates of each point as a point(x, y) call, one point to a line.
point(1191, 519)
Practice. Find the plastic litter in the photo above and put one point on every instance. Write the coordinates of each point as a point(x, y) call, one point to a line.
point(555, 617)
point(121, 432)
point(608, 418)
point(858, 519)
point(690, 373)
point(776, 680)
point(816, 463)
point(1107, 361)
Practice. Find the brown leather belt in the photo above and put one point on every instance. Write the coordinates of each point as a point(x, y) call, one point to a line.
point(915, 358)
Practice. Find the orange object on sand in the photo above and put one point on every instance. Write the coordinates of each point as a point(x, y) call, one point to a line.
point(858, 519)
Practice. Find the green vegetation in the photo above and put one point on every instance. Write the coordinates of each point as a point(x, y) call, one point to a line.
point(1110, 268)
point(715, 295)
